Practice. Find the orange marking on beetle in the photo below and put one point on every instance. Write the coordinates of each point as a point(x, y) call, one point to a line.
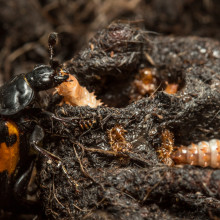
point(9, 155)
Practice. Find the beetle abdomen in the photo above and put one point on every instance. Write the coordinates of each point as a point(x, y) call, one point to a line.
point(202, 154)
point(9, 150)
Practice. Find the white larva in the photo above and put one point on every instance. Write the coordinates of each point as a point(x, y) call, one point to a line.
point(202, 154)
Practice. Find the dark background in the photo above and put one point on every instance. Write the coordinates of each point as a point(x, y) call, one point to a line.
point(25, 25)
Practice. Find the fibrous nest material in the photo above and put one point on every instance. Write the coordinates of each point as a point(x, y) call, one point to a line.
point(135, 184)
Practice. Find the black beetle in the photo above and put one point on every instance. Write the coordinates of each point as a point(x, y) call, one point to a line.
point(16, 161)
point(20, 92)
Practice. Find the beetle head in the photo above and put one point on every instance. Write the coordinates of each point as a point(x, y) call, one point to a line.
point(44, 77)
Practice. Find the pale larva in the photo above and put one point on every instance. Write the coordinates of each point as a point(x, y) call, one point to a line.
point(76, 95)
point(202, 154)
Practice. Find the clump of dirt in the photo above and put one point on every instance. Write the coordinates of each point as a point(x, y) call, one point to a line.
point(135, 183)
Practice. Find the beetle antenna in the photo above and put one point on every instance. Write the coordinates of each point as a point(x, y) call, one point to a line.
point(52, 41)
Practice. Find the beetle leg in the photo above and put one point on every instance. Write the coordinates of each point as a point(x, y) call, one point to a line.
point(52, 115)
point(20, 191)
point(20, 187)
point(36, 142)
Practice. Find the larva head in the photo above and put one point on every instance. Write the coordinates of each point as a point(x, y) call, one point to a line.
point(119, 130)
point(180, 155)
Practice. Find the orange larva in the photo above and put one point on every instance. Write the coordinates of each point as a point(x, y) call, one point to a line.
point(166, 148)
point(117, 139)
point(144, 83)
point(171, 88)
point(76, 95)
point(202, 154)
point(88, 124)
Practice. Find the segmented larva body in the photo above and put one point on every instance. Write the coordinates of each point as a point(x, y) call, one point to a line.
point(202, 154)
point(88, 124)
point(166, 148)
point(117, 139)
point(76, 95)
